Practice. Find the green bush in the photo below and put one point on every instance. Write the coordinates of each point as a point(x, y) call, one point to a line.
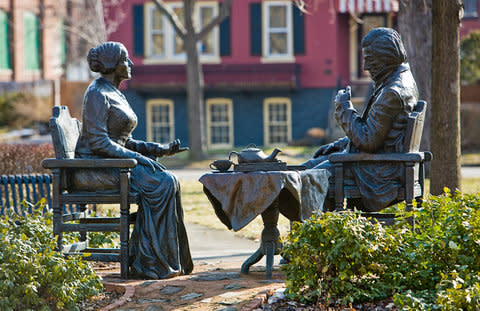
point(33, 276)
point(343, 257)
point(337, 257)
point(470, 58)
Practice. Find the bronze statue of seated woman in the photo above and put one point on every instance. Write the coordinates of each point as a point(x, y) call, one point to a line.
point(159, 244)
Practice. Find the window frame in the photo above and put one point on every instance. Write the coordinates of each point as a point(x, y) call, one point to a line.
point(169, 55)
point(289, 55)
point(217, 101)
point(266, 120)
point(148, 113)
point(473, 14)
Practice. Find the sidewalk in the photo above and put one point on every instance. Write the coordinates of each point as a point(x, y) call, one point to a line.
point(215, 284)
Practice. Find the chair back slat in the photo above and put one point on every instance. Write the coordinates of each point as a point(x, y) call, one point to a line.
point(65, 131)
point(413, 134)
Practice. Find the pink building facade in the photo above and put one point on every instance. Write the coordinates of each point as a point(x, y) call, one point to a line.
point(270, 71)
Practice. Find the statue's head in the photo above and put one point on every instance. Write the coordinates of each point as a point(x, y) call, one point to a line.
point(110, 58)
point(382, 48)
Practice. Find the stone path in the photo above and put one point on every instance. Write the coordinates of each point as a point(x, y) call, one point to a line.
point(215, 284)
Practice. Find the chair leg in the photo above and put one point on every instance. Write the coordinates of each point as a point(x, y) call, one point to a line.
point(83, 234)
point(339, 194)
point(57, 210)
point(124, 224)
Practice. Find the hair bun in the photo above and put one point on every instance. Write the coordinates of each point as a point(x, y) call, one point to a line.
point(93, 60)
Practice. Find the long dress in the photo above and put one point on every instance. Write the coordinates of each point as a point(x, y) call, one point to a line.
point(159, 244)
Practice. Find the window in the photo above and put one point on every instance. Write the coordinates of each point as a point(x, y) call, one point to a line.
point(278, 30)
point(163, 44)
point(209, 45)
point(277, 120)
point(220, 122)
point(32, 41)
point(160, 121)
point(4, 46)
point(470, 9)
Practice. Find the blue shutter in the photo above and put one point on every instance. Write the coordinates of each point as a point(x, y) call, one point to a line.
point(225, 37)
point(138, 36)
point(256, 28)
point(298, 31)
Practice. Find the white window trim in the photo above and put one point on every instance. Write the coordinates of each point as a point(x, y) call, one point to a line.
point(289, 56)
point(215, 57)
point(169, 38)
point(148, 112)
point(266, 124)
point(214, 101)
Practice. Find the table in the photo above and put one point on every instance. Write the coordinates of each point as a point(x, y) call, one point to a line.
point(238, 198)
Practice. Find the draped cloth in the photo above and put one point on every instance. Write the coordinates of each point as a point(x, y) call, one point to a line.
point(238, 198)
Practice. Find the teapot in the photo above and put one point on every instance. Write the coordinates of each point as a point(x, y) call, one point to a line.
point(252, 154)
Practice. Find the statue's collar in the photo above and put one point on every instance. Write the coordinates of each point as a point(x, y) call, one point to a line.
point(389, 73)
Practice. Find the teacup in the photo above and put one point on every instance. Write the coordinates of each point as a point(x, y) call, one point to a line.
point(221, 165)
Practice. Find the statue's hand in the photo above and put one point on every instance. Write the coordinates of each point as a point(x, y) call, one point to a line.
point(173, 147)
point(343, 95)
point(324, 150)
point(150, 163)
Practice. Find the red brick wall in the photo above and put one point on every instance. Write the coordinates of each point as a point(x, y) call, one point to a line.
point(50, 67)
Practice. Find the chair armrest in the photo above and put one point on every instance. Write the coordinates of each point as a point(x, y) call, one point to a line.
point(379, 157)
point(89, 163)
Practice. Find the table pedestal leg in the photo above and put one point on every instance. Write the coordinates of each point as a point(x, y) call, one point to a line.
point(270, 244)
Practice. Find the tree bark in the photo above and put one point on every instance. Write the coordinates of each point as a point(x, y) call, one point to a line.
point(195, 86)
point(445, 126)
point(412, 16)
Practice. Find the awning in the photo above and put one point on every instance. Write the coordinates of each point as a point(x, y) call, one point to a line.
point(367, 6)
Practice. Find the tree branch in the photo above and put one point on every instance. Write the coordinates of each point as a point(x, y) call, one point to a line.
point(172, 17)
point(224, 13)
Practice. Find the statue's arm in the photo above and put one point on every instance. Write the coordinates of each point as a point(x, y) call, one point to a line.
point(369, 135)
point(146, 148)
point(95, 117)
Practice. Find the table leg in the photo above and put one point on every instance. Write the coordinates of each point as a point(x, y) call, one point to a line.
point(270, 244)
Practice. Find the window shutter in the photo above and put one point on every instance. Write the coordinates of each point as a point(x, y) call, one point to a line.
point(256, 29)
point(4, 46)
point(138, 36)
point(225, 37)
point(298, 31)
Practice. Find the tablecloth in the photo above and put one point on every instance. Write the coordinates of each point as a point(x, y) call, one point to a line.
point(238, 198)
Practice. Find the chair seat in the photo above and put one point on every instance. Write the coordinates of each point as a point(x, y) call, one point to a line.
point(353, 192)
point(82, 197)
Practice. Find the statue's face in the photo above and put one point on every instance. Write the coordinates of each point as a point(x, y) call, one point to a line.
point(124, 66)
point(371, 63)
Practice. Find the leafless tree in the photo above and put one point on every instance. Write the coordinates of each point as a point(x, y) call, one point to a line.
point(190, 36)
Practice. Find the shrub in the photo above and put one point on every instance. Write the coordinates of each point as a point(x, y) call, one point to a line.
point(33, 276)
point(346, 258)
point(337, 256)
point(24, 158)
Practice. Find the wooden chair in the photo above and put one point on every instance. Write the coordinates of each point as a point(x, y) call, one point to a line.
point(412, 160)
point(65, 131)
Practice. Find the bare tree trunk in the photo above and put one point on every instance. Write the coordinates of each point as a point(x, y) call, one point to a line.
point(412, 16)
point(195, 85)
point(445, 169)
